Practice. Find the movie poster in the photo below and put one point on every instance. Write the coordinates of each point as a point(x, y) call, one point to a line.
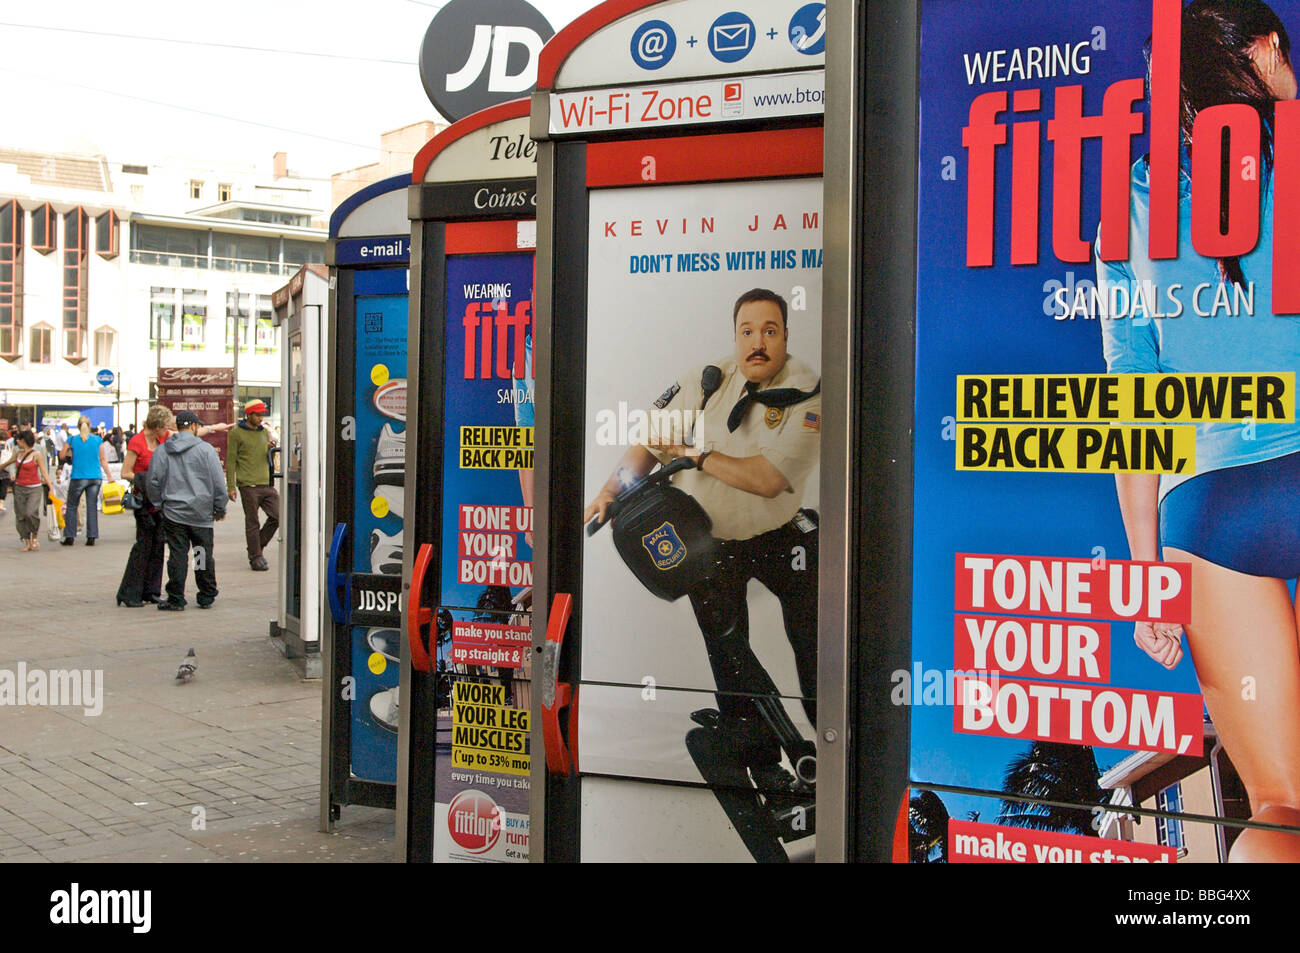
point(378, 499)
point(703, 425)
point(484, 628)
point(1106, 452)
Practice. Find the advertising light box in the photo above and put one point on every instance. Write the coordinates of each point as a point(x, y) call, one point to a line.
point(1106, 448)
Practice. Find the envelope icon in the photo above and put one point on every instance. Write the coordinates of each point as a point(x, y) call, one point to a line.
point(731, 37)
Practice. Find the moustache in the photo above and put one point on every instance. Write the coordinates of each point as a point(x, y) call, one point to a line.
point(758, 356)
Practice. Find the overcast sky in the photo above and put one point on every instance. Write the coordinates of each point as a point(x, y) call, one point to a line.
point(72, 91)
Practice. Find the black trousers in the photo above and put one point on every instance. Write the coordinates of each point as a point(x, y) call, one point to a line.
point(144, 566)
point(785, 561)
point(180, 540)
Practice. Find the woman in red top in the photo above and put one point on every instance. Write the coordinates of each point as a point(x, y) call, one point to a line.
point(32, 474)
point(142, 579)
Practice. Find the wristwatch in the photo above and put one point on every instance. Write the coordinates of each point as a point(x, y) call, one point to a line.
point(699, 461)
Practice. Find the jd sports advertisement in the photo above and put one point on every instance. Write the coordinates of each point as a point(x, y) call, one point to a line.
point(703, 417)
point(1107, 459)
point(380, 474)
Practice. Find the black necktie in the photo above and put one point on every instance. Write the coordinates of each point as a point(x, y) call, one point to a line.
point(776, 397)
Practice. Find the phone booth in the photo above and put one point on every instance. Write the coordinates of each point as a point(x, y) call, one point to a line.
point(1103, 665)
point(464, 747)
point(297, 463)
point(680, 359)
point(365, 434)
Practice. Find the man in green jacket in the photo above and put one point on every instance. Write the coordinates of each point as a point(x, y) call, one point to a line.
point(248, 475)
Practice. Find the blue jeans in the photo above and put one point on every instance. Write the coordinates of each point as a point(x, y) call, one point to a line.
point(75, 489)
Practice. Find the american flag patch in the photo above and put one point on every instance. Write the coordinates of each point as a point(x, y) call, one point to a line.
point(812, 422)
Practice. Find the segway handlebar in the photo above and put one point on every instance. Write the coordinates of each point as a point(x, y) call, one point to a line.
point(635, 490)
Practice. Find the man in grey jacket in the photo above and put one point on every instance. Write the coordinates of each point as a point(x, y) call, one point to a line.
point(186, 480)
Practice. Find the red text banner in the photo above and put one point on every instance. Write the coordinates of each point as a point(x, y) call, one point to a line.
point(970, 842)
point(1118, 590)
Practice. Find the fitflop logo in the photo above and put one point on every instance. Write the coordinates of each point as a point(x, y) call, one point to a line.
point(474, 821)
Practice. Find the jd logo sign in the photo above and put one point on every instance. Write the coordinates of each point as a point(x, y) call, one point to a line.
point(477, 53)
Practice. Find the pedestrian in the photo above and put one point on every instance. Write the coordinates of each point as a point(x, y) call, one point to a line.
point(118, 440)
point(142, 578)
point(184, 479)
point(6, 473)
point(31, 474)
point(248, 476)
point(89, 457)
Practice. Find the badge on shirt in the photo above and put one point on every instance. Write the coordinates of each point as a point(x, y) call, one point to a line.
point(773, 417)
point(666, 396)
point(813, 421)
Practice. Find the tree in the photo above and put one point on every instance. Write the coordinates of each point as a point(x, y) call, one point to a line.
point(1053, 772)
point(927, 829)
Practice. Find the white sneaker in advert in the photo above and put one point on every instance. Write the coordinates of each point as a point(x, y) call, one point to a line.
point(383, 708)
point(385, 553)
point(395, 497)
point(390, 457)
point(387, 642)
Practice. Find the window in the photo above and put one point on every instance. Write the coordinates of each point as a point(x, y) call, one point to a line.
point(105, 353)
point(237, 306)
point(162, 316)
point(75, 281)
point(194, 319)
point(44, 225)
point(173, 247)
point(1169, 830)
point(251, 253)
point(40, 349)
point(196, 188)
point(106, 227)
point(265, 340)
point(11, 280)
point(298, 253)
point(224, 192)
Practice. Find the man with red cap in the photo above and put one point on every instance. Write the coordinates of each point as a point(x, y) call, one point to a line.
point(248, 475)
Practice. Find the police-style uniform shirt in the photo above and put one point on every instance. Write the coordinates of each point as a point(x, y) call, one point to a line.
point(788, 437)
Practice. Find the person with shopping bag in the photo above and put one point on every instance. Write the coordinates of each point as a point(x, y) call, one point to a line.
point(89, 457)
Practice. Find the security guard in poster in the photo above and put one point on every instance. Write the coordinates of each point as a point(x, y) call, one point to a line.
point(751, 425)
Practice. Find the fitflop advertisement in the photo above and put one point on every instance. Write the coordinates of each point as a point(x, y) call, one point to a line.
point(1106, 447)
point(484, 658)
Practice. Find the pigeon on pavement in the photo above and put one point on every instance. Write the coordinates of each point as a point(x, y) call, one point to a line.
point(189, 666)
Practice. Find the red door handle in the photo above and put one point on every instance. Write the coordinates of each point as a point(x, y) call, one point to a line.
point(557, 695)
point(416, 614)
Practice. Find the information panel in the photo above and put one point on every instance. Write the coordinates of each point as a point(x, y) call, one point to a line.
point(1106, 445)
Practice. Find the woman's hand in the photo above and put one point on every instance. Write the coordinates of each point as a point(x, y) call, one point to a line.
point(1163, 641)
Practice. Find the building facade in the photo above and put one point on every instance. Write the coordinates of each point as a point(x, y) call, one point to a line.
point(112, 269)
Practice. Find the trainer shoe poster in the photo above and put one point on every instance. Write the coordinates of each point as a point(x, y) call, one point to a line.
point(1107, 462)
point(699, 606)
point(378, 494)
point(484, 650)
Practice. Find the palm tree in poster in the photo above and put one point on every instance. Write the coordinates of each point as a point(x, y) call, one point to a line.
point(927, 829)
point(1053, 772)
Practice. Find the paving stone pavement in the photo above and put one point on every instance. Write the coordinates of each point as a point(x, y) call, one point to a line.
point(225, 768)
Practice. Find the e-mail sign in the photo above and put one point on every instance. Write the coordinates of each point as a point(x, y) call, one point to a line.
point(731, 37)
